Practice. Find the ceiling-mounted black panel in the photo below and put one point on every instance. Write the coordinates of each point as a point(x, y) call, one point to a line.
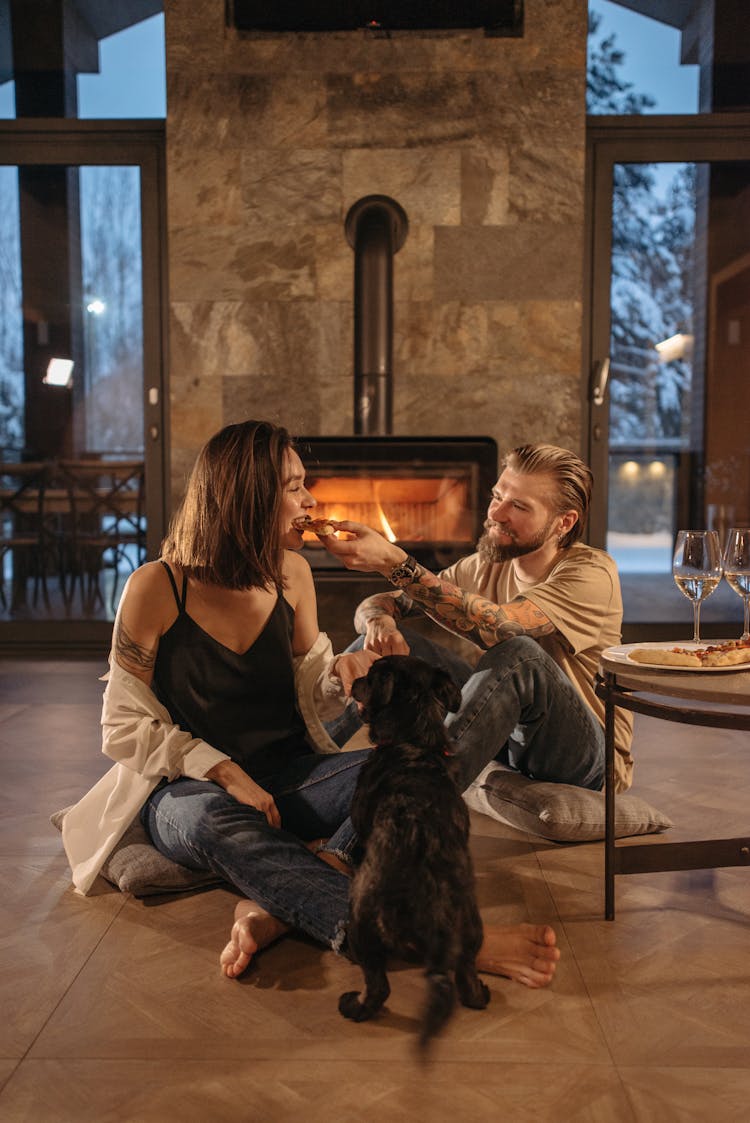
point(496, 17)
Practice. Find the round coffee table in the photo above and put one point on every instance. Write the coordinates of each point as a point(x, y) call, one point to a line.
point(719, 699)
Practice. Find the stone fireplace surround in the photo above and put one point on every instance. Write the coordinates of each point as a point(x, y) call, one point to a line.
point(272, 138)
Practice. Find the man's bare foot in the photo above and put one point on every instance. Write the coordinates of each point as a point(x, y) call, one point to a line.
point(253, 929)
point(523, 952)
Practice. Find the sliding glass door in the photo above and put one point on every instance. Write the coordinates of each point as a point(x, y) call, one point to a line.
point(668, 354)
point(81, 385)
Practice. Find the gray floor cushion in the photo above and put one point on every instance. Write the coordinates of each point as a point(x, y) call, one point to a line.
point(136, 866)
point(560, 812)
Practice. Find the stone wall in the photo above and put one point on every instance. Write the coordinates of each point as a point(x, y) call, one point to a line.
point(269, 142)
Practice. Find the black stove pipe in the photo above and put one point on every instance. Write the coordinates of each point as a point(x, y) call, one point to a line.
point(376, 228)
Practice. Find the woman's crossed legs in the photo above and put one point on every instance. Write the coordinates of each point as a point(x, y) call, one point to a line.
point(284, 884)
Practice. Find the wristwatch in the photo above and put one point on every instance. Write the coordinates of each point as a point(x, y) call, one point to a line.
point(405, 573)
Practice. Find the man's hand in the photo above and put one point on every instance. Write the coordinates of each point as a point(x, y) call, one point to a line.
point(383, 637)
point(366, 551)
point(236, 782)
point(353, 665)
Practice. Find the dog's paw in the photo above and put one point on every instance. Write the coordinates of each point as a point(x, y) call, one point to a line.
point(351, 1007)
point(485, 997)
point(476, 996)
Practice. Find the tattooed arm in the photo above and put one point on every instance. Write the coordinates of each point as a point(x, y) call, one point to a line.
point(376, 619)
point(475, 617)
point(144, 615)
point(131, 655)
point(467, 614)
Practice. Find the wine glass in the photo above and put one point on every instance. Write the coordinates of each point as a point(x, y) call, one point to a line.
point(737, 569)
point(696, 568)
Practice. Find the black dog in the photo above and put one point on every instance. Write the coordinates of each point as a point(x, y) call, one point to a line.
point(414, 891)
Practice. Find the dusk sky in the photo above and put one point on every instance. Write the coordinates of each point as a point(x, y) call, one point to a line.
point(131, 82)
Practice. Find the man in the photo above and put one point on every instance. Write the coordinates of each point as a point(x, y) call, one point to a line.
point(541, 604)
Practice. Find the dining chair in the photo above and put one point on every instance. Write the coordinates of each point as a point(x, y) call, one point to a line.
point(24, 537)
point(106, 524)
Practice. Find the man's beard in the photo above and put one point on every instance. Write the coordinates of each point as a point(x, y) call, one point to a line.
point(490, 551)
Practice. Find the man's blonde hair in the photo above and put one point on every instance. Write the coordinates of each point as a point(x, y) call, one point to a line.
point(573, 480)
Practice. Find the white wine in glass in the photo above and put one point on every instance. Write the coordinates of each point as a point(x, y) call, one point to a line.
point(697, 568)
point(737, 569)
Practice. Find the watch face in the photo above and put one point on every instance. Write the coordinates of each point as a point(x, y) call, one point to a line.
point(404, 572)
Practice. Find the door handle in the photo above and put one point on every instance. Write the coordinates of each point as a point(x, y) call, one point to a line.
point(601, 376)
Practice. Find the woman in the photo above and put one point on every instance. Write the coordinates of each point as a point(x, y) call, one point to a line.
point(219, 679)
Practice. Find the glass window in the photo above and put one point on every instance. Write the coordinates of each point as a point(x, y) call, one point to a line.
point(131, 78)
point(77, 232)
point(132, 75)
point(71, 304)
point(634, 63)
point(12, 434)
point(679, 313)
point(7, 101)
point(112, 311)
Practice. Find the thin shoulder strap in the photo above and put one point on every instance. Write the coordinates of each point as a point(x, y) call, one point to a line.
point(179, 599)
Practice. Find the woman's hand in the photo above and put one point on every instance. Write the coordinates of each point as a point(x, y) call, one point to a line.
point(353, 665)
point(384, 638)
point(236, 782)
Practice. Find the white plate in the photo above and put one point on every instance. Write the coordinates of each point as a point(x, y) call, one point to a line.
point(622, 655)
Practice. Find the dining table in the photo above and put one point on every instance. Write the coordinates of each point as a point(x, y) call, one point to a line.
point(62, 505)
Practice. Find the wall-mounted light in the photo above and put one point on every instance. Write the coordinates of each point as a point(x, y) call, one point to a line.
point(59, 373)
point(629, 470)
point(679, 346)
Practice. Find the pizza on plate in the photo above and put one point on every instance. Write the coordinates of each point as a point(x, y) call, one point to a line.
point(730, 654)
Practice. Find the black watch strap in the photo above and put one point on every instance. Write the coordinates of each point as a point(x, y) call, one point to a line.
point(404, 573)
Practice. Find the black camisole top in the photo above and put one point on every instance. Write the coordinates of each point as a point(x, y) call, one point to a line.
point(244, 705)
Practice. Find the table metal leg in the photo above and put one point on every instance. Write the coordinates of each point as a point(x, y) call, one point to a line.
point(609, 803)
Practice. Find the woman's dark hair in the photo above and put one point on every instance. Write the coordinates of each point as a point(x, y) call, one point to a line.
point(226, 530)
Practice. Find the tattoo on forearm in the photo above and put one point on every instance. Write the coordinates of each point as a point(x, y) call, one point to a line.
point(382, 604)
point(129, 654)
point(473, 616)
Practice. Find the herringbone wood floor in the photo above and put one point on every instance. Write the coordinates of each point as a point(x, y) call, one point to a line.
point(114, 1009)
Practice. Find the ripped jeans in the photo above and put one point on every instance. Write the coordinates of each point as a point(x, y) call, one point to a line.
point(197, 824)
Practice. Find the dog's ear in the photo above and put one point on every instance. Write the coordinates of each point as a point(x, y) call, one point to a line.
point(360, 689)
point(380, 681)
point(446, 690)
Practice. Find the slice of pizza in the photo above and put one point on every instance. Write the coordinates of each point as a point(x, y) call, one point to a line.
point(322, 527)
point(732, 653)
point(666, 656)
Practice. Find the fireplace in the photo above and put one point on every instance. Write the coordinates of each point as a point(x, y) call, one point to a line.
point(429, 494)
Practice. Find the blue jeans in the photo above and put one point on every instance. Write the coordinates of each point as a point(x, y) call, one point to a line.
point(518, 708)
point(197, 824)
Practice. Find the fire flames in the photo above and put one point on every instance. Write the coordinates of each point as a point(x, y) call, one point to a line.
point(387, 528)
point(404, 508)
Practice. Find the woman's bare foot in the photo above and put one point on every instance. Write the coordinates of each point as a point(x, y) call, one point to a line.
point(523, 952)
point(253, 929)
